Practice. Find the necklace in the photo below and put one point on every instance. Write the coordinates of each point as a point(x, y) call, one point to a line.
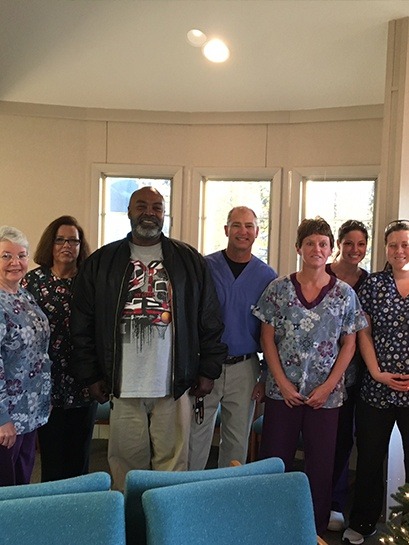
point(68, 277)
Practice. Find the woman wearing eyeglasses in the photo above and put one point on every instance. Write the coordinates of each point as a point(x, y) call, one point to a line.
point(384, 397)
point(24, 363)
point(65, 440)
point(352, 242)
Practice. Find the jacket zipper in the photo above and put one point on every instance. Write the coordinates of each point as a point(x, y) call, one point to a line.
point(173, 324)
point(111, 395)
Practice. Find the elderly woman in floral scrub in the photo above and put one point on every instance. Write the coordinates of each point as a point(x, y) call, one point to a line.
point(25, 378)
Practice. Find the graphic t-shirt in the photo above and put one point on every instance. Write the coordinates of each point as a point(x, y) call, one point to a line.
point(146, 327)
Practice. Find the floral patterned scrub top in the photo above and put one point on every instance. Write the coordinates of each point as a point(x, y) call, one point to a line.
point(25, 377)
point(307, 334)
point(53, 294)
point(389, 313)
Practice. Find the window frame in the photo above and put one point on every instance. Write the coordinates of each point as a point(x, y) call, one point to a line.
point(101, 170)
point(291, 217)
point(371, 230)
point(196, 186)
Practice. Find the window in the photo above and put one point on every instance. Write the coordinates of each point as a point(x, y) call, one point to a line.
point(115, 194)
point(340, 200)
point(219, 197)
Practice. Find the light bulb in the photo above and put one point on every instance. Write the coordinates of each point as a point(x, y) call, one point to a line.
point(196, 37)
point(216, 50)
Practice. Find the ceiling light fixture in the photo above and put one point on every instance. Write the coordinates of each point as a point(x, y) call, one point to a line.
point(196, 37)
point(215, 50)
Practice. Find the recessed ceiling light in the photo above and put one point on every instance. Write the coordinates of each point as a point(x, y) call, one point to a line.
point(215, 50)
point(196, 37)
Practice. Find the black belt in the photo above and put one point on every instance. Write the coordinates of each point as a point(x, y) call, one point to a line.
point(235, 359)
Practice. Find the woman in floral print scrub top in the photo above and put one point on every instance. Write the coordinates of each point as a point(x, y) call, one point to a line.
point(25, 381)
point(310, 320)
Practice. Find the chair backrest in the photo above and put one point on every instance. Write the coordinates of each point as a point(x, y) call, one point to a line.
point(94, 482)
point(138, 481)
point(275, 509)
point(95, 518)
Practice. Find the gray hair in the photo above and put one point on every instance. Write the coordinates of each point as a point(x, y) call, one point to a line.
point(13, 235)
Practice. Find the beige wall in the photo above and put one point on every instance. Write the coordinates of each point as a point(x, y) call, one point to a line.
point(45, 169)
point(47, 153)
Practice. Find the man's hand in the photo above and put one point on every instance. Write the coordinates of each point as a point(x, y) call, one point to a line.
point(99, 391)
point(259, 392)
point(202, 387)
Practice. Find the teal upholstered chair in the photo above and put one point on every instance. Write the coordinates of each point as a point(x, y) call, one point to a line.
point(138, 481)
point(95, 518)
point(94, 482)
point(274, 509)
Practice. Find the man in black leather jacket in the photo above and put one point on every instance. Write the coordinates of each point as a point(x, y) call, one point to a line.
point(146, 328)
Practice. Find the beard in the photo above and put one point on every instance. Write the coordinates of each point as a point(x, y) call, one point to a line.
point(146, 233)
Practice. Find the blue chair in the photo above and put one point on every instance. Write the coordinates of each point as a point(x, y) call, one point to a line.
point(95, 518)
point(94, 482)
point(138, 481)
point(275, 509)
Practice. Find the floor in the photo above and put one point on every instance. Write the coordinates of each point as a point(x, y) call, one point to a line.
point(98, 462)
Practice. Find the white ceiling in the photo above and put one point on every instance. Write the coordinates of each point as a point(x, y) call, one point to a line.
point(133, 54)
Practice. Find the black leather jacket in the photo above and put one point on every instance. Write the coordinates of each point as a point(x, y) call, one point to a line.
point(100, 293)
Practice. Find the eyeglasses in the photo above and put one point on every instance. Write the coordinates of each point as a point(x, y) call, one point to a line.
point(398, 223)
point(6, 257)
point(198, 408)
point(60, 241)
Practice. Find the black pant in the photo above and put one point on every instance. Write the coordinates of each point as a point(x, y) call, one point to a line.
point(345, 442)
point(65, 442)
point(373, 431)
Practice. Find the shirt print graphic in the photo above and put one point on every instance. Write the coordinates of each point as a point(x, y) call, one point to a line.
point(147, 309)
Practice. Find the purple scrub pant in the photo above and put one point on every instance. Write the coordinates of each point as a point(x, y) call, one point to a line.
point(17, 462)
point(282, 427)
